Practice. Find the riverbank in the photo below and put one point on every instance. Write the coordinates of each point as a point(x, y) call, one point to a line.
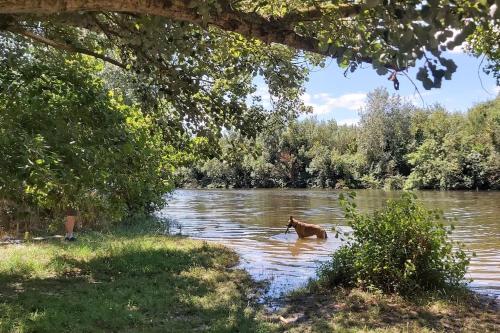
point(124, 282)
point(314, 309)
point(138, 282)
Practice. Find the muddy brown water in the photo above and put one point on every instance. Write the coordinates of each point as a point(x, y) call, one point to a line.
point(253, 223)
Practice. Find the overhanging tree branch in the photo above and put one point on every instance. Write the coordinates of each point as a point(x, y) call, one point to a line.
point(387, 36)
point(252, 25)
point(63, 46)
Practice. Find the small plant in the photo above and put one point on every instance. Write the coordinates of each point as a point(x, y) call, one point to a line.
point(394, 182)
point(402, 248)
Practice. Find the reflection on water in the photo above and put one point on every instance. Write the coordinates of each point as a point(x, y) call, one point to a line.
point(253, 223)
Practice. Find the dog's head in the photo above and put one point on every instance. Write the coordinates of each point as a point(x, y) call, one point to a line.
point(291, 223)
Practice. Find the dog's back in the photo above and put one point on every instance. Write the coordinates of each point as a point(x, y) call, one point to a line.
point(307, 230)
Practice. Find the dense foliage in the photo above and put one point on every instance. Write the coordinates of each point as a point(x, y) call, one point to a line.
point(486, 42)
point(195, 80)
point(402, 248)
point(68, 142)
point(396, 145)
point(169, 40)
point(179, 74)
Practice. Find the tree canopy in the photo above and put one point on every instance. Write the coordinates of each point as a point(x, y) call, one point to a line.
point(190, 45)
point(68, 141)
point(172, 74)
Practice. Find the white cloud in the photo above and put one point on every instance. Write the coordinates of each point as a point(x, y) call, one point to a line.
point(307, 98)
point(323, 103)
point(348, 122)
point(493, 10)
point(421, 99)
point(459, 48)
point(263, 92)
point(496, 90)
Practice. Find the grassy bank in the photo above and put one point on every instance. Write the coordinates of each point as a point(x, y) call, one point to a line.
point(123, 282)
point(133, 282)
point(314, 309)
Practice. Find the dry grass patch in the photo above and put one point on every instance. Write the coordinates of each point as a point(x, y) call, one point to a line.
point(343, 310)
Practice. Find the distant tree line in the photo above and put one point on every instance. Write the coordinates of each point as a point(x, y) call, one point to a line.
point(396, 145)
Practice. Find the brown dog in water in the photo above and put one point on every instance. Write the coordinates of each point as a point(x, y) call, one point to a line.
point(305, 229)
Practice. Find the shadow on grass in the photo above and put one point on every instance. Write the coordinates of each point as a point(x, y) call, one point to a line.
point(131, 288)
point(355, 310)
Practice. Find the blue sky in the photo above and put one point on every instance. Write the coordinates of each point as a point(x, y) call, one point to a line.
point(334, 96)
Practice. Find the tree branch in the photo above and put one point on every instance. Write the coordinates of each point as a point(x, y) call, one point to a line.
point(63, 46)
point(315, 13)
point(252, 25)
point(249, 24)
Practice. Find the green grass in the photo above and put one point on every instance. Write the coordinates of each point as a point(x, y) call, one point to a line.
point(131, 281)
point(124, 282)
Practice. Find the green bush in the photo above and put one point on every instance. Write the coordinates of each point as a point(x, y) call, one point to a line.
point(68, 141)
point(402, 248)
point(394, 183)
point(369, 181)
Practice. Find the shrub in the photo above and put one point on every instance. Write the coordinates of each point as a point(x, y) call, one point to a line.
point(394, 183)
point(369, 181)
point(67, 141)
point(340, 270)
point(402, 248)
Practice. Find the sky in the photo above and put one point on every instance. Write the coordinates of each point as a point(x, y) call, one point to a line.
point(334, 96)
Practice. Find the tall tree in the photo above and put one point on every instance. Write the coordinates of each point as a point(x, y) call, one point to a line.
point(385, 133)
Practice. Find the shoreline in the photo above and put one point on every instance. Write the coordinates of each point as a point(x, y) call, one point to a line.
point(105, 258)
point(335, 189)
point(314, 309)
point(11, 241)
point(278, 302)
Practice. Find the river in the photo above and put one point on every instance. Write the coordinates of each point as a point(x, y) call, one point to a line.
point(253, 223)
